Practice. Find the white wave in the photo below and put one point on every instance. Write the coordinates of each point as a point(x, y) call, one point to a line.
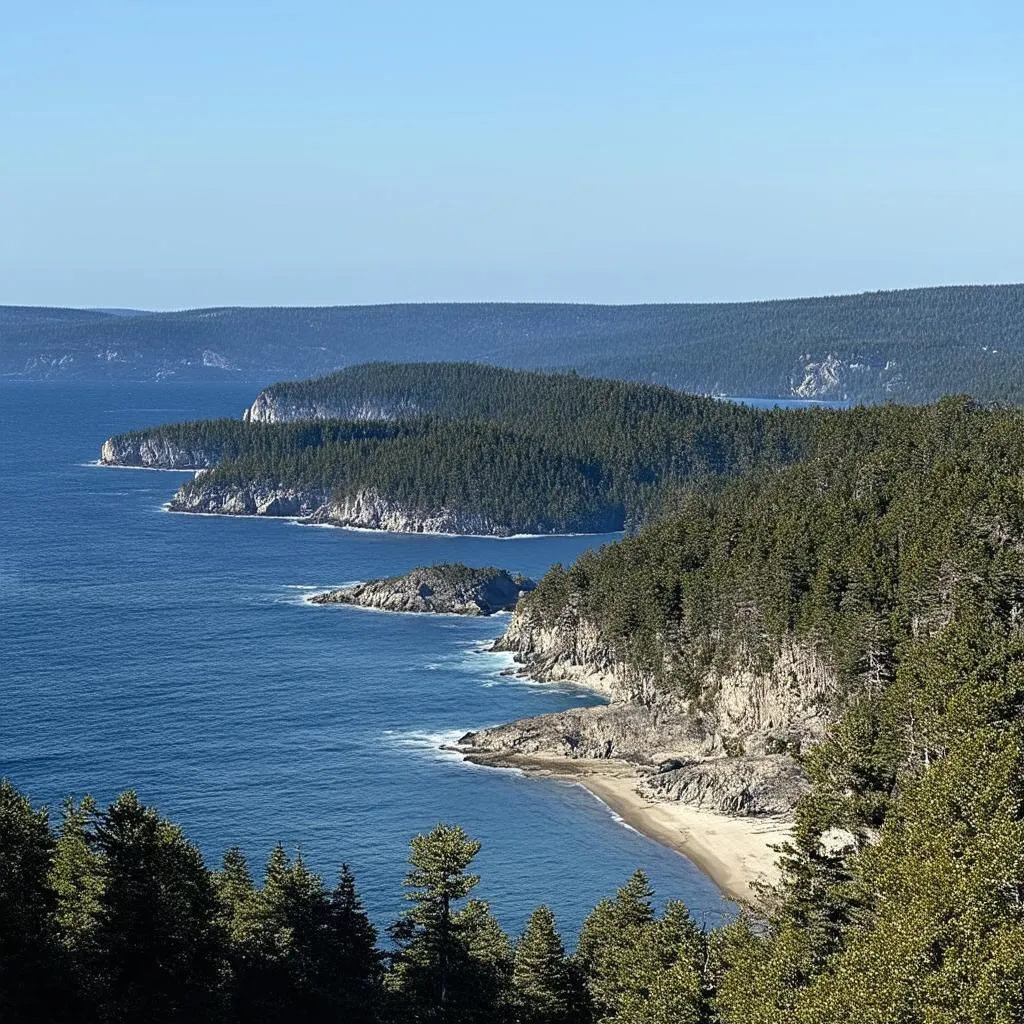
point(458, 536)
point(619, 820)
point(321, 588)
point(431, 744)
point(96, 464)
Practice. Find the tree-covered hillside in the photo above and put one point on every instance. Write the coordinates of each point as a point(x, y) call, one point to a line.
point(893, 519)
point(531, 452)
point(895, 550)
point(908, 345)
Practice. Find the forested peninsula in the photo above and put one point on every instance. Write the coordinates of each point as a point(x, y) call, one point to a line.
point(463, 448)
point(854, 621)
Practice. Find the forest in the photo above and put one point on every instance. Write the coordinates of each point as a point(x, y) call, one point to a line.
point(534, 452)
point(912, 345)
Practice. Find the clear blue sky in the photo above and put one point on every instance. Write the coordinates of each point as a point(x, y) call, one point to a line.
point(168, 154)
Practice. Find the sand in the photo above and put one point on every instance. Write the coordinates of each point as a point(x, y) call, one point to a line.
point(732, 851)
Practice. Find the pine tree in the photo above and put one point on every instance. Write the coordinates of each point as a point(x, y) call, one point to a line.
point(542, 979)
point(159, 951)
point(29, 964)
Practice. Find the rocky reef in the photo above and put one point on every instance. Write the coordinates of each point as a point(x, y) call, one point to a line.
point(452, 587)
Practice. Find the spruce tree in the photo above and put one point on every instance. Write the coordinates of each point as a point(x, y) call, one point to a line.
point(30, 969)
point(451, 963)
point(158, 947)
point(542, 979)
point(354, 959)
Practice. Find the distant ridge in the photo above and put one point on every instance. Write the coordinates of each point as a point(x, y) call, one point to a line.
point(911, 345)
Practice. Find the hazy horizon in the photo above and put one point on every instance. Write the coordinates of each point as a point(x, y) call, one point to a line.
point(129, 310)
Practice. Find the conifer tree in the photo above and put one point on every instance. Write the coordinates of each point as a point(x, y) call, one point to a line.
point(158, 948)
point(29, 962)
point(77, 879)
point(542, 979)
point(451, 963)
point(608, 938)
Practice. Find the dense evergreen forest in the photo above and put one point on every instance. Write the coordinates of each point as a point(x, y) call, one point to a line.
point(113, 916)
point(910, 345)
point(895, 549)
point(535, 452)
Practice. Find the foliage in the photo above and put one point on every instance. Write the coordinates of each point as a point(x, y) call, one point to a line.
point(532, 452)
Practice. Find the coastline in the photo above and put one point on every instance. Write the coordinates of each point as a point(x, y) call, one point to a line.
point(733, 852)
point(305, 522)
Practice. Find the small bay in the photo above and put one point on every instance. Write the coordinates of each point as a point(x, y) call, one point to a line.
point(176, 655)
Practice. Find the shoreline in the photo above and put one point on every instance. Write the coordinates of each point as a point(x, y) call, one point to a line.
point(733, 852)
point(305, 522)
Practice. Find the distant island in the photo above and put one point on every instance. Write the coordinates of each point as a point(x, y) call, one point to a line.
point(449, 588)
point(909, 346)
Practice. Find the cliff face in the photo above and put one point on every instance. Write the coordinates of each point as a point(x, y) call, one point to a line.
point(454, 589)
point(729, 746)
point(367, 509)
point(272, 407)
point(154, 452)
point(249, 500)
point(748, 708)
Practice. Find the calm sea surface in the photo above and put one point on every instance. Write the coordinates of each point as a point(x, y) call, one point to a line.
point(174, 654)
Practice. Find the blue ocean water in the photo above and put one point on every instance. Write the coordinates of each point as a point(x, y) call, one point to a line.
point(174, 654)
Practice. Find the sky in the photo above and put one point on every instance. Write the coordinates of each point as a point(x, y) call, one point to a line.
point(166, 155)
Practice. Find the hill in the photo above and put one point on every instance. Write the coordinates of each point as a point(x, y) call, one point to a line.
point(463, 448)
point(909, 345)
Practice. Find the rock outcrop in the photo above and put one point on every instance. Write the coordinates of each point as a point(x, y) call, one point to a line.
point(728, 749)
point(451, 588)
point(270, 406)
point(771, 784)
point(365, 510)
point(254, 499)
point(154, 452)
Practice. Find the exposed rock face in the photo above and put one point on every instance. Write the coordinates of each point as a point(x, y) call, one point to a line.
point(369, 510)
point(154, 452)
point(728, 749)
point(629, 731)
point(366, 510)
point(748, 708)
point(272, 407)
point(249, 500)
point(732, 785)
point(456, 589)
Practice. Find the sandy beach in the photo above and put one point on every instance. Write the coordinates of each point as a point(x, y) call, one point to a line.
point(732, 851)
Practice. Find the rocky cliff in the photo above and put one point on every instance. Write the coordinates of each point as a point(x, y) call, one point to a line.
point(730, 745)
point(154, 452)
point(366, 509)
point(451, 588)
point(271, 406)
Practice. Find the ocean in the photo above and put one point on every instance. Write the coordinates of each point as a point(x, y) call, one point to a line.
point(175, 655)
